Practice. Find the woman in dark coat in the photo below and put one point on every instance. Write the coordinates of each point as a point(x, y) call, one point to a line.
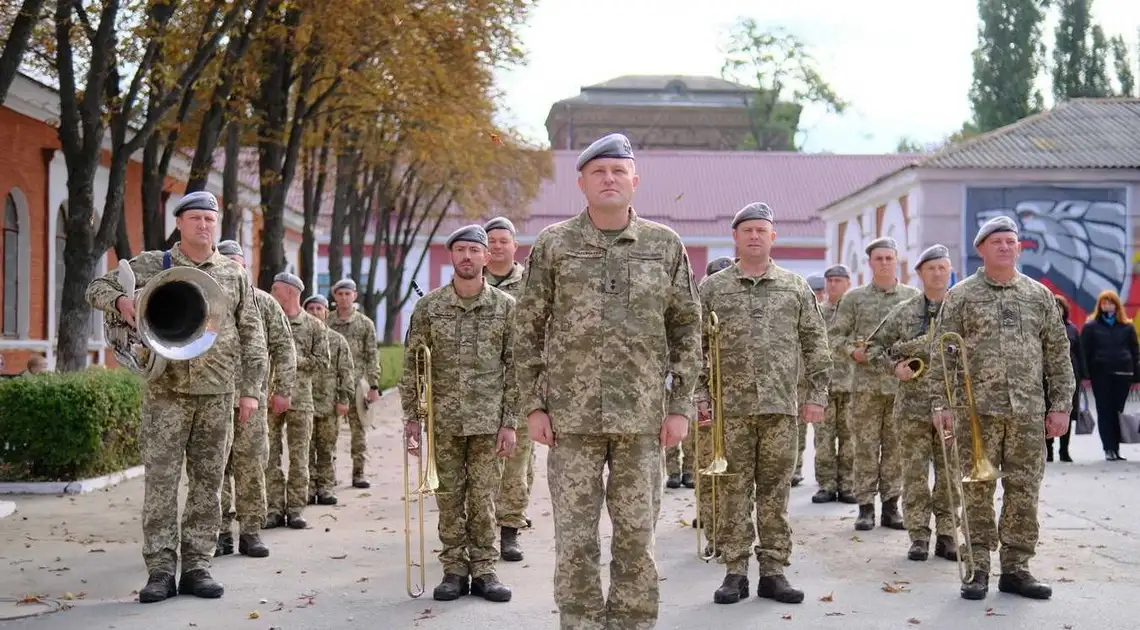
point(1078, 371)
point(1108, 343)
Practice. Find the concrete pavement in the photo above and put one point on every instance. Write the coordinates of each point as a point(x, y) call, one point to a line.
point(346, 571)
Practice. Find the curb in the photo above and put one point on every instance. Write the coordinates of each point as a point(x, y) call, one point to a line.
point(71, 487)
point(7, 508)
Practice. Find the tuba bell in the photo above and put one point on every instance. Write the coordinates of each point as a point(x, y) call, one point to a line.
point(174, 317)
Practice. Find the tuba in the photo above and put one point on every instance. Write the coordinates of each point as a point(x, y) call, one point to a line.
point(174, 317)
point(427, 475)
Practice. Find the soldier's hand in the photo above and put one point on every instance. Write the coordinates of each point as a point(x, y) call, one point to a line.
point(246, 406)
point(412, 437)
point(1056, 424)
point(538, 426)
point(860, 355)
point(903, 371)
point(341, 409)
point(704, 414)
point(281, 404)
point(943, 421)
point(673, 430)
point(506, 443)
point(373, 396)
point(813, 413)
point(126, 308)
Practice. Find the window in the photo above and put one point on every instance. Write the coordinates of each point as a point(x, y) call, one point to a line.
point(323, 284)
point(11, 267)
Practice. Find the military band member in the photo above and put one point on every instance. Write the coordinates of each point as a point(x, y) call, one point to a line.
point(834, 447)
point(187, 412)
point(467, 327)
point(1017, 348)
point(288, 495)
point(878, 462)
point(617, 294)
point(903, 337)
point(770, 322)
point(243, 487)
point(505, 274)
point(360, 332)
point(333, 392)
point(816, 283)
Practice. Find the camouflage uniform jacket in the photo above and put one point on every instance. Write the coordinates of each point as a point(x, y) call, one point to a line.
point(472, 364)
point(360, 332)
point(239, 353)
point(842, 367)
point(312, 357)
point(512, 284)
point(860, 312)
point(282, 374)
point(335, 385)
point(1015, 342)
point(624, 328)
point(904, 335)
point(768, 325)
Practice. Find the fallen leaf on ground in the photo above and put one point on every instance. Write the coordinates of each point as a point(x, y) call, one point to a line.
point(828, 598)
point(786, 616)
point(913, 620)
point(833, 614)
point(990, 612)
point(426, 614)
point(893, 588)
point(340, 557)
point(255, 615)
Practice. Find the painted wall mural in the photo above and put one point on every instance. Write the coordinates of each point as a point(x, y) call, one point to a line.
point(1075, 240)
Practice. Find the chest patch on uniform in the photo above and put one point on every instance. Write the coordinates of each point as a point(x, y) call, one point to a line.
point(1009, 318)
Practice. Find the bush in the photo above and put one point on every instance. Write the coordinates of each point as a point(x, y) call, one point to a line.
point(391, 365)
point(65, 427)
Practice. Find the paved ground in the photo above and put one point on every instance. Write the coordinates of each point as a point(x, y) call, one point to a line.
point(347, 570)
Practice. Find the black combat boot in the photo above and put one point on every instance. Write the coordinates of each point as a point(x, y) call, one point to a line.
point(797, 479)
point(251, 545)
point(891, 517)
point(1023, 583)
point(159, 586)
point(225, 544)
point(946, 547)
point(490, 588)
point(824, 496)
point(733, 589)
point(509, 542)
point(865, 522)
point(919, 550)
point(848, 497)
point(687, 480)
point(358, 480)
point(324, 497)
point(1049, 451)
point(776, 587)
point(977, 587)
point(296, 521)
point(451, 588)
point(674, 481)
point(528, 524)
point(197, 582)
point(273, 521)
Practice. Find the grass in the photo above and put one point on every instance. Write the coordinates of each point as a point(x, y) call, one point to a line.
point(391, 365)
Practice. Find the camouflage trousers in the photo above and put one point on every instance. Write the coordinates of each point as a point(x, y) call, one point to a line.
point(322, 454)
point(359, 448)
point(761, 461)
point(834, 448)
point(800, 445)
point(920, 446)
point(175, 428)
point(469, 476)
point(243, 487)
point(576, 470)
point(680, 459)
point(705, 484)
point(518, 478)
point(878, 462)
point(288, 495)
point(1013, 444)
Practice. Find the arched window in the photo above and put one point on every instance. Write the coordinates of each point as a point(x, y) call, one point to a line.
point(11, 267)
point(60, 266)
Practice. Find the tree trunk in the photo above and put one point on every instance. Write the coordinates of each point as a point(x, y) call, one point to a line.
point(154, 208)
point(79, 259)
point(17, 44)
point(231, 202)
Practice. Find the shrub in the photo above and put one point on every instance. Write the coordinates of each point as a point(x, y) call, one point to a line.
point(65, 427)
point(391, 365)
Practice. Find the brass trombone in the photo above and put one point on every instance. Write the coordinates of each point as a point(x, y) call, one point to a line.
point(718, 467)
point(981, 470)
point(427, 476)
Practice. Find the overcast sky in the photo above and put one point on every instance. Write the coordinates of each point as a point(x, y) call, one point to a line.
point(904, 65)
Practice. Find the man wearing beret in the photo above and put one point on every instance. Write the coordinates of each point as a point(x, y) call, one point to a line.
point(333, 393)
point(878, 462)
point(505, 274)
point(187, 411)
point(770, 323)
point(287, 496)
point(617, 294)
point(466, 325)
point(360, 332)
point(904, 338)
point(243, 487)
point(834, 448)
point(1017, 350)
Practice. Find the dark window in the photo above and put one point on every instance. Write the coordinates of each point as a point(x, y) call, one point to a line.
point(11, 268)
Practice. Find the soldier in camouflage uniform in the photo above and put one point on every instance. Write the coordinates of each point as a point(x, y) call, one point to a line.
point(360, 332)
point(1017, 350)
point(878, 462)
point(816, 283)
point(187, 412)
point(904, 337)
point(834, 448)
point(467, 327)
point(770, 323)
point(506, 275)
point(243, 486)
point(611, 387)
point(287, 497)
point(332, 395)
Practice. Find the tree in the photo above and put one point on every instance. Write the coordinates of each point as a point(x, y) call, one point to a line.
point(786, 77)
point(1071, 49)
point(1122, 64)
point(1007, 61)
point(909, 145)
point(23, 24)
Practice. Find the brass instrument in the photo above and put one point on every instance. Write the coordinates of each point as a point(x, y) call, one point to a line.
point(718, 467)
point(427, 475)
point(981, 470)
point(174, 319)
point(901, 350)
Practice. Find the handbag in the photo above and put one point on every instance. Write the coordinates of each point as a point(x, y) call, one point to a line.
point(1129, 428)
point(1085, 421)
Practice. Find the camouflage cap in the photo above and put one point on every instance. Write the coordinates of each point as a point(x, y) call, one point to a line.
point(993, 226)
point(201, 200)
point(614, 145)
point(816, 282)
point(934, 252)
point(837, 271)
point(287, 278)
point(499, 223)
point(344, 283)
point(469, 233)
point(230, 248)
point(718, 264)
point(751, 212)
point(318, 298)
point(884, 242)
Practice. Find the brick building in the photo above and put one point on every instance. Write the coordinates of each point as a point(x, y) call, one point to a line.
point(33, 181)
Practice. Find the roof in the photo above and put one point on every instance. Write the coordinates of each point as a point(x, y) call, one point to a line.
point(663, 90)
point(660, 82)
point(698, 192)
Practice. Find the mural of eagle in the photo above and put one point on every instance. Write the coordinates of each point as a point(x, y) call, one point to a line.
point(1080, 248)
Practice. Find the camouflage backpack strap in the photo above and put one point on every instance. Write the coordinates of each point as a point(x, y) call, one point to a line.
point(166, 260)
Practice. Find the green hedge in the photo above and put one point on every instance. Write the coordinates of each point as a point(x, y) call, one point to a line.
point(391, 365)
point(65, 427)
